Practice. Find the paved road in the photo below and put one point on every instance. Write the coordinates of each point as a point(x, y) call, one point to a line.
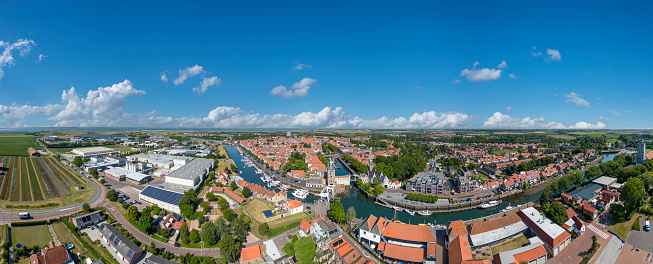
point(145, 239)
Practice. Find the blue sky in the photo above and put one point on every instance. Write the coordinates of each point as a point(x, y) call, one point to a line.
point(330, 64)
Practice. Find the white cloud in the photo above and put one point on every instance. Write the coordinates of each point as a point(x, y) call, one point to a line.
point(187, 73)
point(41, 57)
point(576, 99)
point(534, 48)
point(585, 125)
point(618, 113)
point(605, 118)
point(503, 121)
point(16, 114)
point(509, 108)
point(300, 89)
point(101, 107)
point(456, 81)
point(301, 66)
point(206, 83)
point(536, 54)
point(553, 54)
point(164, 77)
point(23, 46)
point(502, 65)
point(418, 87)
point(481, 75)
point(512, 76)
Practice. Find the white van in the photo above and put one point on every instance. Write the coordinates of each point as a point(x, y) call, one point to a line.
point(647, 227)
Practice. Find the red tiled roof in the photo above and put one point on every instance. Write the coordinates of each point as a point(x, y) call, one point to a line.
point(485, 226)
point(530, 254)
point(305, 226)
point(408, 232)
point(404, 253)
point(250, 253)
point(292, 204)
point(459, 250)
point(229, 192)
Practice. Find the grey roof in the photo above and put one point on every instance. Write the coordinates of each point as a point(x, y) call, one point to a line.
point(158, 260)
point(120, 242)
point(98, 261)
point(549, 228)
point(605, 180)
point(193, 169)
point(89, 218)
point(497, 234)
point(588, 192)
point(508, 256)
point(162, 194)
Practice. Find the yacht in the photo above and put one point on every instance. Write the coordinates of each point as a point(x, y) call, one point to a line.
point(274, 183)
point(259, 171)
point(284, 187)
point(489, 204)
point(300, 193)
point(508, 208)
point(397, 208)
point(424, 212)
point(410, 212)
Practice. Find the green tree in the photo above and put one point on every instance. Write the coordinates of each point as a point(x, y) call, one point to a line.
point(222, 203)
point(350, 215)
point(229, 248)
point(184, 233)
point(247, 192)
point(233, 168)
point(289, 248)
point(228, 214)
point(86, 208)
point(210, 196)
point(305, 249)
point(647, 180)
point(194, 236)
point(263, 229)
point(233, 185)
point(378, 189)
point(209, 233)
point(617, 211)
point(132, 213)
point(78, 162)
point(145, 222)
point(557, 213)
point(102, 181)
point(94, 173)
point(337, 212)
point(633, 194)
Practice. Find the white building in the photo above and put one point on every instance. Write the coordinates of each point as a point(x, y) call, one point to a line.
point(191, 174)
point(164, 199)
point(294, 207)
point(93, 151)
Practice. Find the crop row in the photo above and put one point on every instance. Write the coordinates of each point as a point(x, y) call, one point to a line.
point(33, 181)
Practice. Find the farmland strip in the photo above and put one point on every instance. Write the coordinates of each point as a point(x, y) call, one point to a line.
point(65, 189)
point(72, 177)
point(14, 195)
point(48, 179)
point(33, 182)
point(64, 180)
point(39, 178)
point(25, 190)
point(5, 182)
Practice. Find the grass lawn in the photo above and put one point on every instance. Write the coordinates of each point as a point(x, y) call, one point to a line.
point(31, 235)
point(64, 236)
point(503, 151)
point(288, 219)
point(16, 146)
point(4, 238)
point(222, 150)
point(280, 229)
point(622, 227)
point(60, 150)
point(222, 165)
point(515, 243)
point(255, 207)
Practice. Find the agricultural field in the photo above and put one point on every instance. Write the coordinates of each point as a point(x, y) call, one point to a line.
point(38, 181)
point(116, 147)
point(16, 145)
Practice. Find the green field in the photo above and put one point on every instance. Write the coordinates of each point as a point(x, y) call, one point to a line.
point(31, 235)
point(16, 146)
point(64, 236)
point(116, 147)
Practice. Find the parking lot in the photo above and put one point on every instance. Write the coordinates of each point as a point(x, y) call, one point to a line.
point(128, 192)
point(642, 239)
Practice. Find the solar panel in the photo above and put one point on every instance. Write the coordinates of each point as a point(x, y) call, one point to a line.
point(268, 213)
point(162, 195)
point(130, 253)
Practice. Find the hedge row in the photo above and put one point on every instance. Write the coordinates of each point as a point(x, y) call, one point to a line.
point(32, 223)
point(88, 247)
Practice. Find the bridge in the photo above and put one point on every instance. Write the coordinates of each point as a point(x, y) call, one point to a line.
point(328, 193)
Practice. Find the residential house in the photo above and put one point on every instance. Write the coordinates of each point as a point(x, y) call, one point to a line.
point(531, 254)
point(120, 244)
point(294, 206)
point(255, 254)
point(460, 252)
point(89, 219)
point(555, 237)
point(52, 254)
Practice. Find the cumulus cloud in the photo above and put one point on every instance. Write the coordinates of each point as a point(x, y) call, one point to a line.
point(23, 46)
point(187, 73)
point(503, 121)
point(298, 89)
point(502, 65)
point(512, 76)
point(301, 66)
point(41, 57)
point(164, 77)
point(481, 75)
point(577, 99)
point(100, 107)
point(456, 81)
point(16, 114)
point(509, 108)
point(553, 54)
point(585, 125)
point(206, 83)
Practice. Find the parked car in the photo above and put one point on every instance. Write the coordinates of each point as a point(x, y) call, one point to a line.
point(177, 245)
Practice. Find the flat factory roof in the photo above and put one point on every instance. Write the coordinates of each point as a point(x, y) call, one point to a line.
point(193, 169)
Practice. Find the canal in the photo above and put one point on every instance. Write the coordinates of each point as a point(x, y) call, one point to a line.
point(366, 206)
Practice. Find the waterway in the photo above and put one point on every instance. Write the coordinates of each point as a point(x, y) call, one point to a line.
point(365, 206)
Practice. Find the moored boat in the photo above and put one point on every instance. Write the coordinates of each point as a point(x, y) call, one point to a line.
point(410, 212)
point(489, 204)
point(424, 212)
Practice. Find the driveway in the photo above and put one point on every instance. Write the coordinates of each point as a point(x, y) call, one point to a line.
point(641, 239)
